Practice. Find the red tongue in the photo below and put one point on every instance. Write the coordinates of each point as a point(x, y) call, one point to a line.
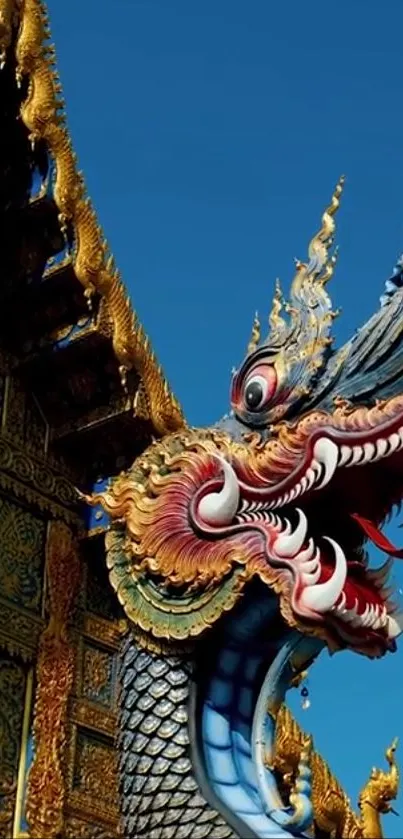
point(378, 538)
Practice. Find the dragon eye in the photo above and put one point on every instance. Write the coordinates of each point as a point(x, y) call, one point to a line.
point(259, 387)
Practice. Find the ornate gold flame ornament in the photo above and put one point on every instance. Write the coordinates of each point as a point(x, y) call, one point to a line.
point(46, 786)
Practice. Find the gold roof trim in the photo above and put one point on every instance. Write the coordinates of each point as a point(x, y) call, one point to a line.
point(43, 114)
point(332, 810)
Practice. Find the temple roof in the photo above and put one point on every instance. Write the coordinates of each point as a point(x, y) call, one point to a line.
point(67, 325)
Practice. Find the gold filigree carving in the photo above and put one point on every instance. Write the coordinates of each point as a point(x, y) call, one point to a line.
point(95, 774)
point(46, 788)
point(42, 113)
point(20, 490)
point(7, 9)
point(19, 631)
point(309, 309)
point(12, 689)
point(76, 828)
point(97, 675)
point(105, 631)
point(333, 813)
point(42, 479)
point(94, 717)
point(21, 555)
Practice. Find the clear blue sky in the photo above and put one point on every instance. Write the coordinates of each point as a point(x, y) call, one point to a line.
point(211, 134)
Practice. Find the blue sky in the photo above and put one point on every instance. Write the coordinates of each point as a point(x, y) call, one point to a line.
point(211, 134)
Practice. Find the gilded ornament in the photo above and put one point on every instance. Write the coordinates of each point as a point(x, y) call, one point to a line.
point(7, 12)
point(19, 631)
point(36, 481)
point(95, 774)
point(12, 690)
point(107, 632)
point(46, 785)
point(333, 814)
point(97, 675)
point(255, 337)
point(22, 538)
point(80, 828)
point(198, 527)
point(89, 715)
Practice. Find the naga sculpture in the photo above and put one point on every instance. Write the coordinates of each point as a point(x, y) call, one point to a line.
point(238, 554)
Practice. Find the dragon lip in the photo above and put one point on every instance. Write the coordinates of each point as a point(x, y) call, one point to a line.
point(330, 452)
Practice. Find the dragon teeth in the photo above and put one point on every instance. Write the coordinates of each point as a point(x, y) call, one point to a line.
point(322, 597)
point(345, 454)
point(326, 454)
point(290, 542)
point(394, 442)
point(374, 616)
point(381, 448)
point(330, 596)
point(370, 452)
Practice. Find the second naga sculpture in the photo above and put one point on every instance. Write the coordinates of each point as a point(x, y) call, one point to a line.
point(238, 554)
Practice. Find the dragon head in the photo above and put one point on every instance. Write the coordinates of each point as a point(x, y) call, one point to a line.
point(287, 489)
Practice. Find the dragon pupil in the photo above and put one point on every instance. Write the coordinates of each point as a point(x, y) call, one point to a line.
point(254, 395)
